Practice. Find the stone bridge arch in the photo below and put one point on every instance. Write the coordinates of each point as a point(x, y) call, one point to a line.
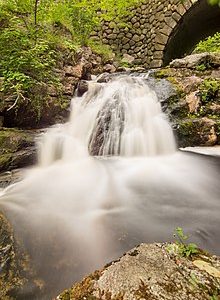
point(160, 30)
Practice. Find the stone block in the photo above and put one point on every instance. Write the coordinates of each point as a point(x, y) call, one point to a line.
point(156, 63)
point(125, 40)
point(181, 9)
point(136, 25)
point(176, 16)
point(158, 54)
point(161, 38)
point(170, 22)
point(136, 38)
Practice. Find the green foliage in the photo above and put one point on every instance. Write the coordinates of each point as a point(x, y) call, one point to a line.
point(201, 67)
point(214, 2)
point(34, 34)
point(184, 249)
point(211, 44)
point(101, 49)
point(209, 89)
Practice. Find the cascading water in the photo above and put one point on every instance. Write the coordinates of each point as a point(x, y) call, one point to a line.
point(106, 181)
point(122, 118)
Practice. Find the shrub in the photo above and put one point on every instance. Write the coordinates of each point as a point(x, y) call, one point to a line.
point(211, 44)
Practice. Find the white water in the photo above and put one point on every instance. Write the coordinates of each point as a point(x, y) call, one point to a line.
point(122, 117)
point(75, 212)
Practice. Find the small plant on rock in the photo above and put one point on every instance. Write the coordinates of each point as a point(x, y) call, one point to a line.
point(184, 249)
point(181, 247)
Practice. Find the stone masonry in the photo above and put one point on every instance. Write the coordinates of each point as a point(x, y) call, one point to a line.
point(147, 30)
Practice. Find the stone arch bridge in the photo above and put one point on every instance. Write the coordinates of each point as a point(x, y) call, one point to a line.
point(158, 31)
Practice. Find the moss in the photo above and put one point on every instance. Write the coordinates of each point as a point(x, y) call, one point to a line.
point(12, 140)
point(218, 132)
point(196, 132)
point(144, 292)
point(5, 161)
point(103, 50)
point(163, 73)
point(83, 290)
point(209, 89)
point(202, 67)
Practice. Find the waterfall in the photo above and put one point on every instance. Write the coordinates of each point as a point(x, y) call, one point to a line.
point(107, 180)
point(120, 118)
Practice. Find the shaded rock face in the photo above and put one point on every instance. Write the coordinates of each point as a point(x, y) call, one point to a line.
point(13, 263)
point(17, 277)
point(82, 87)
point(17, 148)
point(194, 107)
point(152, 271)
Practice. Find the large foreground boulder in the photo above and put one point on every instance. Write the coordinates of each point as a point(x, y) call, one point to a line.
point(152, 272)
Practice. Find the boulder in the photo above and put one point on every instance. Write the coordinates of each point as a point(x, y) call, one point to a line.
point(152, 271)
point(194, 60)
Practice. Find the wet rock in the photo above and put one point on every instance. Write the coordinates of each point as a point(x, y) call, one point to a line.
point(163, 88)
point(151, 271)
point(197, 132)
point(105, 77)
point(9, 177)
point(82, 87)
point(109, 68)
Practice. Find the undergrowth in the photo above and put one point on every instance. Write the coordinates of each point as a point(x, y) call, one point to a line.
point(210, 44)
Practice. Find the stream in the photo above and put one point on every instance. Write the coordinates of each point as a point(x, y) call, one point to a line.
point(106, 181)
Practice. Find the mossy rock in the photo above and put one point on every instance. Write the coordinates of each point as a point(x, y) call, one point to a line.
point(197, 132)
point(152, 272)
point(12, 140)
point(82, 290)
